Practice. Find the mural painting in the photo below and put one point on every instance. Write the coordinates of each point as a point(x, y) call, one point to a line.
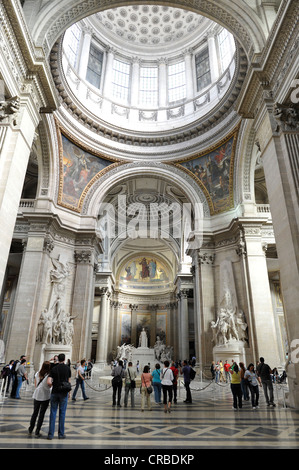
point(125, 328)
point(144, 272)
point(214, 172)
point(161, 327)
point(78, 169)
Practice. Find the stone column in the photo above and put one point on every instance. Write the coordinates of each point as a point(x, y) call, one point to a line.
point(18, 122)
point(163, 97)
point(28, 300)
point(82, 304)
point(134, 338)
point(153, 308)
point(184, 324)
point(85, 49)
point(197, 309)
point(108, 74)
point(101, 354)
point(278, 138)
point(189, 74)
point(135, 82)
point(205, 301)
point(260, 296)
point(213, 56)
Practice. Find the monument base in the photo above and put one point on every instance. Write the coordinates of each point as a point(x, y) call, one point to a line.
point(145, 356)
point(232, 351)
point(48, 351)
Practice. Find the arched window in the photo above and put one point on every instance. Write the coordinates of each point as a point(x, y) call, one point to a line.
point(94, 67)
point(203, 72)
point(176, 82)
point(120, 80)
point(148, 89)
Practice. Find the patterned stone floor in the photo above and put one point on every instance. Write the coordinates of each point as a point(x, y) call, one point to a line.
point(209, 423)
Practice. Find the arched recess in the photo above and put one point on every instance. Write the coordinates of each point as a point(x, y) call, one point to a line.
point(193, 209)
point(177, 177)
point(236, 16)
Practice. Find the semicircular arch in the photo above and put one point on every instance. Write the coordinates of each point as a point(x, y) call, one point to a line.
point(237, 17)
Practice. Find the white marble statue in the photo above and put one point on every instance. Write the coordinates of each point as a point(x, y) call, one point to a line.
point(162, 352)
point(55, 327)
point(125, 351)
point(143, 340)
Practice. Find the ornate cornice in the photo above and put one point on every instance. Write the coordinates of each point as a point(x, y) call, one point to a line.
point(136, 142)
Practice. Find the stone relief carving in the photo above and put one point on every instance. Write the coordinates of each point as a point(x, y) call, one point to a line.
point(162, 352)
point(125, 351)
point(9, 110)
point(55, 325)
point(230, 324)
point(286, 117)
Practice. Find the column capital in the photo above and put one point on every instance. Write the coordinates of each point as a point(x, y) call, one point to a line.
point(206, 258)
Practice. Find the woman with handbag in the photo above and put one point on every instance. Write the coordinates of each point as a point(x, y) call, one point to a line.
point(41, 397)
point(146, 388)
point(130, 385)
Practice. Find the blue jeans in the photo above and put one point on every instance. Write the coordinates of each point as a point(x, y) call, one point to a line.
point(157, 390)
point(57, 401)
point(79, 382)
point(19, 385)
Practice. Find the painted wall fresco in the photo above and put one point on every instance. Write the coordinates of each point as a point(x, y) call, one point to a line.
point(214, 172)
point(126, 329)
point(144, 272)
point(78, 169)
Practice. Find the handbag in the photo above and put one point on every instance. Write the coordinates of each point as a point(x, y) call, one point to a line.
point(116, 380)
point(149, 389)
point(132, 382)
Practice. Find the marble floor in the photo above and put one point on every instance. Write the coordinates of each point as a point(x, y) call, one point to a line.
point(208, 423)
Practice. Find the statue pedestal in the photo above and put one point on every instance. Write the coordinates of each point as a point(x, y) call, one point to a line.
point(233, 350)
point(145, 356)
point(48, 351)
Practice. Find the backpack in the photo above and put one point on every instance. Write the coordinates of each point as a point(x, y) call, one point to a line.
point(192, 373)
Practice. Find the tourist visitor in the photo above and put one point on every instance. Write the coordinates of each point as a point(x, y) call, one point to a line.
point(175, 371)
point(59, 375)
point(227, 371)
point(185, 371)
point(118, 374)
point(80, 378)
point(167, 380)
point(20, 377)
point(217, 372)
point(213, 370)
point(264, 372)
point(236, 387)
point(244, 383)
point(130, 385)
point(146, 382)
point(6, 375)
point(41, 398)
point(157, 383)
point(253, 382)
point(14, 369)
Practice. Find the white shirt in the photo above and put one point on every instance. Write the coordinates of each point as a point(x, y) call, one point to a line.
point(166, 377)
point(42, 391)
